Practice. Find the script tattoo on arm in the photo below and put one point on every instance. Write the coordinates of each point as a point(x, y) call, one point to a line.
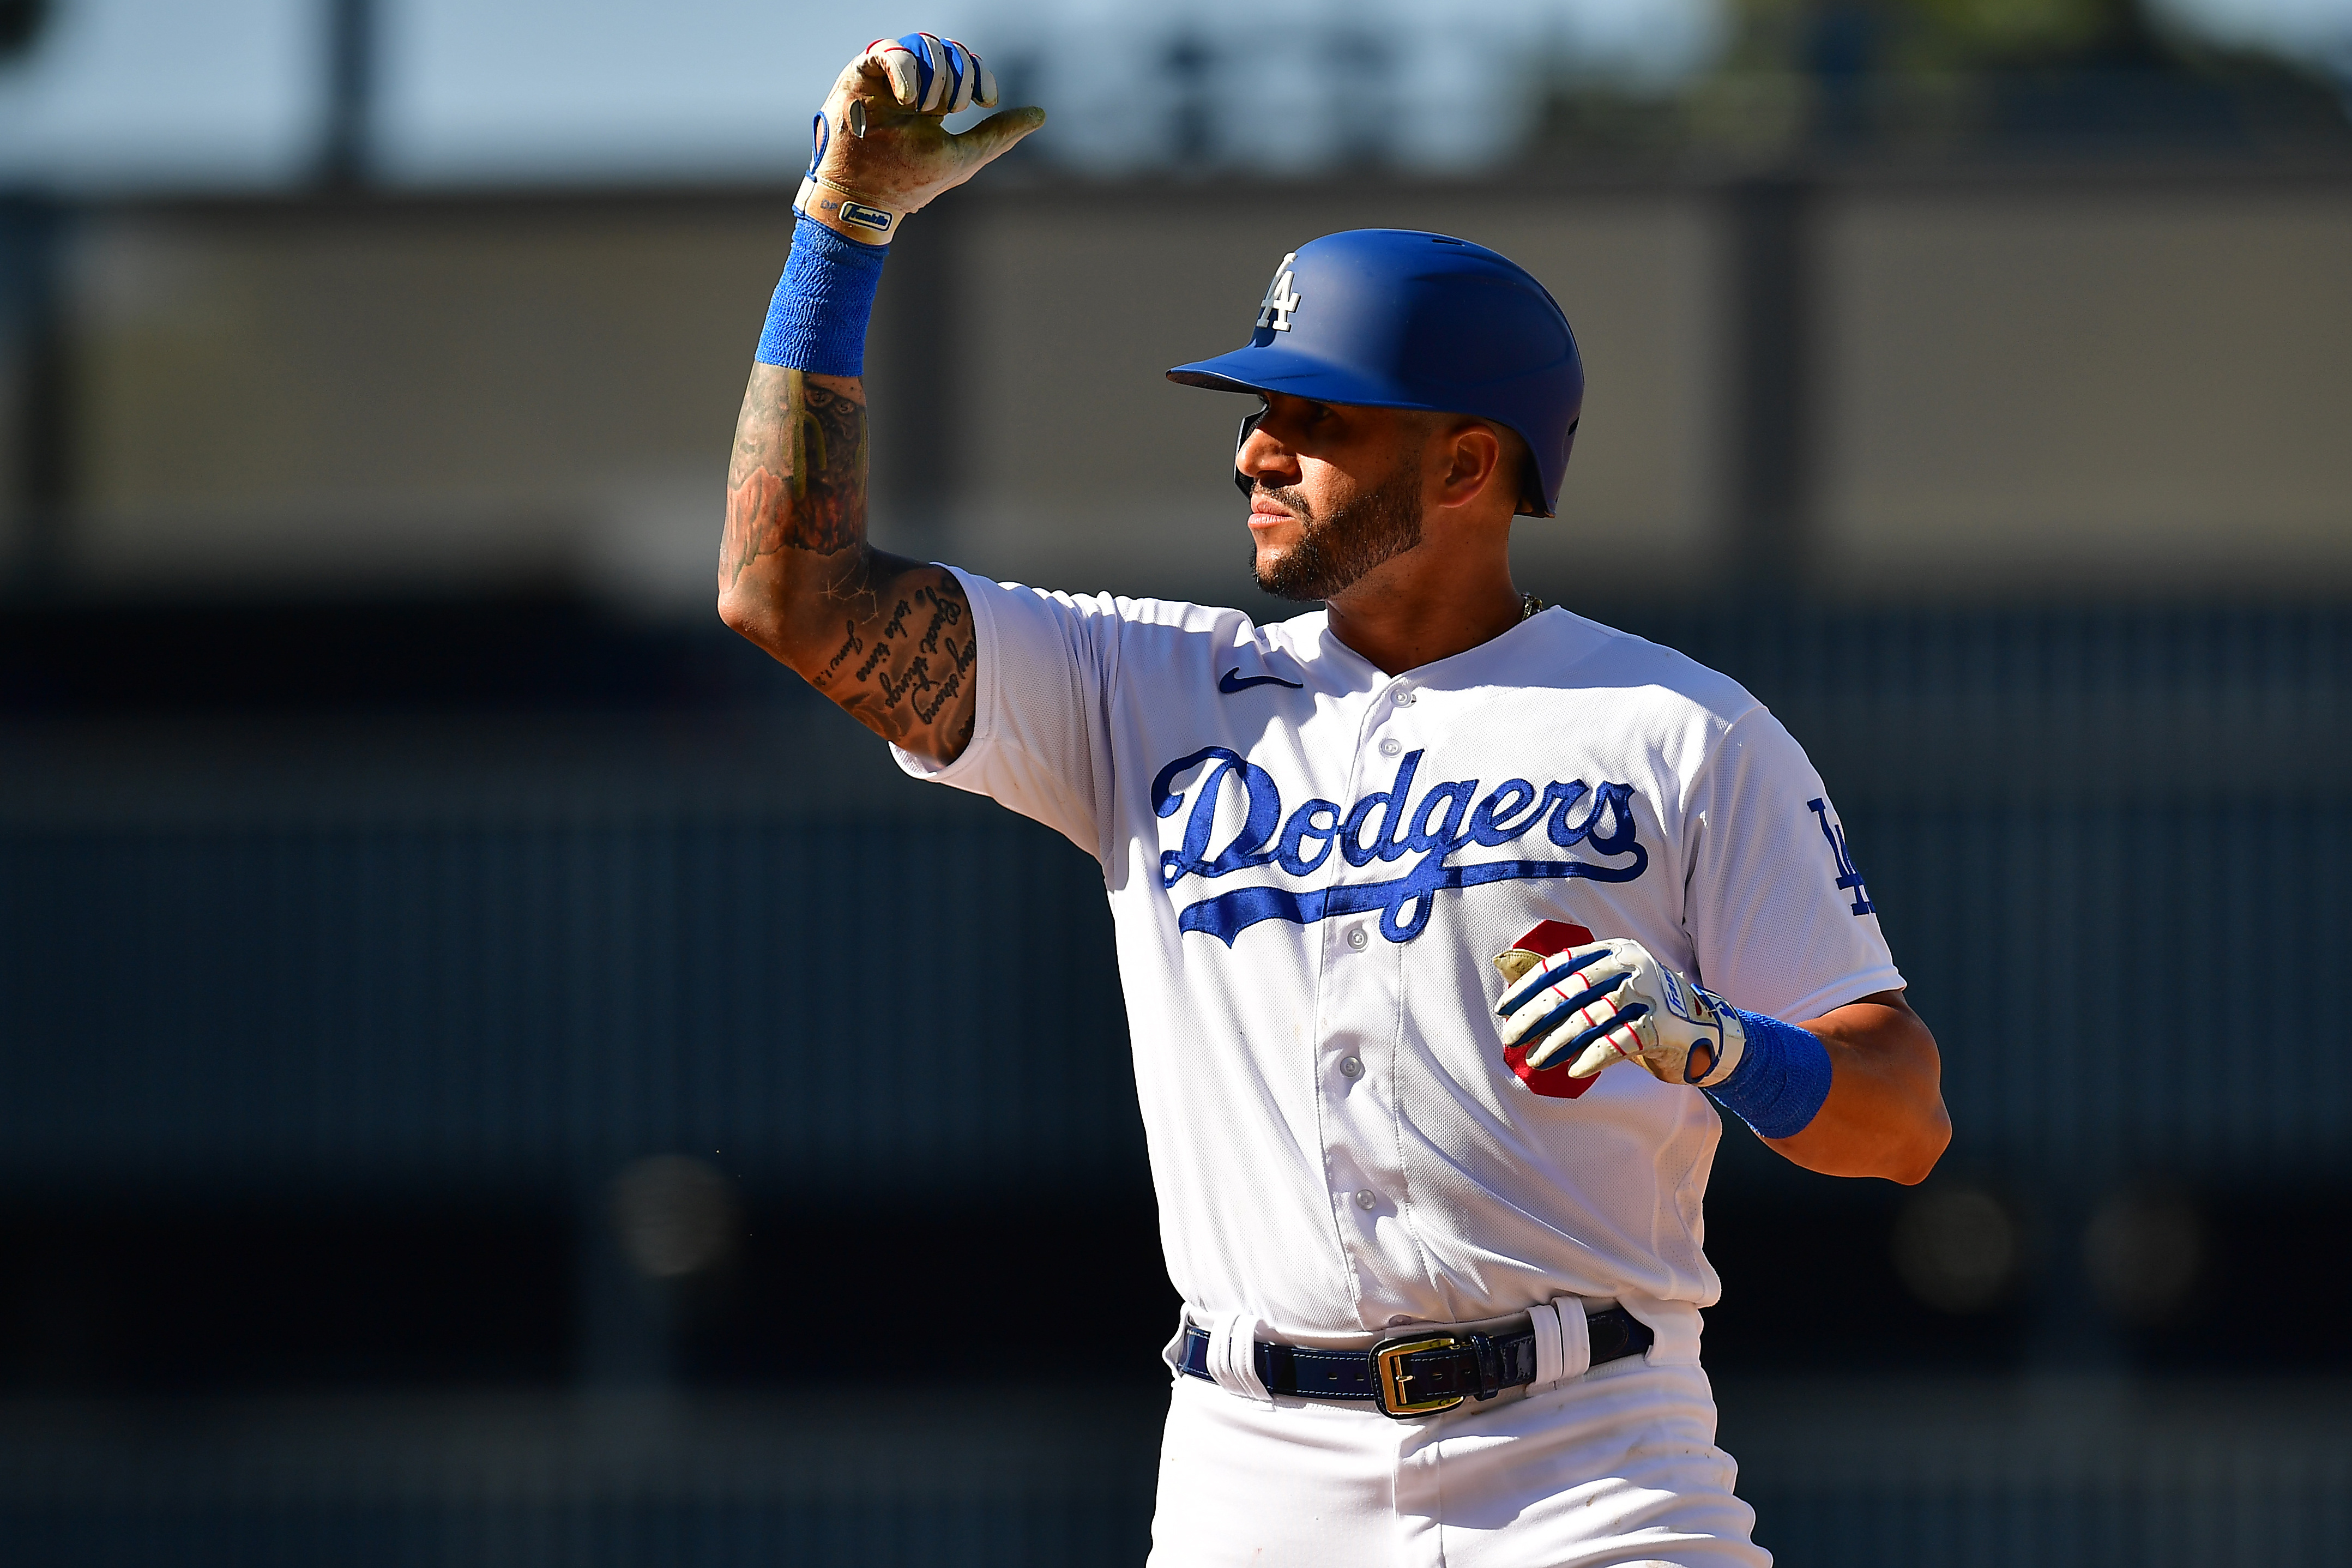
point(887, 638)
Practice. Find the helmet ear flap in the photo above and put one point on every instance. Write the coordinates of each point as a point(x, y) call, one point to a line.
point(1531, 490)
point(1250, 422)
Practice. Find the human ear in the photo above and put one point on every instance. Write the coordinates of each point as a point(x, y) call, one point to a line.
point(1473, 457)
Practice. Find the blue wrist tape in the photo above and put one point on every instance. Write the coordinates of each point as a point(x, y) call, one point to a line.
point(1781, 1079)
point(818, 320)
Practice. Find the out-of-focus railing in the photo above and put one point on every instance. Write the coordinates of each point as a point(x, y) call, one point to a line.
point(862, 1001)
point(2068, 1473)
point(1843, 1474)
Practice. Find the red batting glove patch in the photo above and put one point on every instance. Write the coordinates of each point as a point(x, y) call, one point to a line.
point(1551, 937)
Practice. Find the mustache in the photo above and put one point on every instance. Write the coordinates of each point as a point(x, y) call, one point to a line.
point(1288, 497)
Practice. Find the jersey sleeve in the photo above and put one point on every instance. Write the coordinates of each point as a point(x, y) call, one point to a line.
point(1779, 920)
point(1041, 732)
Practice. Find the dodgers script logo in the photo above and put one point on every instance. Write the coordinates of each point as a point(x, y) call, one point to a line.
point(1388, 824)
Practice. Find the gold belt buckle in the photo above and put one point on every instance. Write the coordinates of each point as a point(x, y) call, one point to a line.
point(1389, 1377)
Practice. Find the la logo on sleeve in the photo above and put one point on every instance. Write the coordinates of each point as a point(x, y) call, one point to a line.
point(1849, 879)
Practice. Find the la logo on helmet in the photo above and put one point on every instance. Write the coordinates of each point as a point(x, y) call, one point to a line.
point(1273, 311)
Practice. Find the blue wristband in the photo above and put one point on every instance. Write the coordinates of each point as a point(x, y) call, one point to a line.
point(1781, 1079)
point(818, 320)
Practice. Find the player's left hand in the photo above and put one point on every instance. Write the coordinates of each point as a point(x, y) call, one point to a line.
point(879, 138)
point(1611, 1001)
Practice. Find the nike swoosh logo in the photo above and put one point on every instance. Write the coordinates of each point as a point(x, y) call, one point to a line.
point(1232, 682)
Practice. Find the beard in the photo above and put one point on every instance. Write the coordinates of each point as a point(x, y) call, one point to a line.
point(1334, 552)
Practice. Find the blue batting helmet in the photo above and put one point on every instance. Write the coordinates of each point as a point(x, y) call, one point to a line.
point(1393, 317)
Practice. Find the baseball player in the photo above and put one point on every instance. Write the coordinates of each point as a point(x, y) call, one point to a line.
point(1398, 885)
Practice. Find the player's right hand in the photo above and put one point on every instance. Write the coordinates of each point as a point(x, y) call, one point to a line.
point(879, 138)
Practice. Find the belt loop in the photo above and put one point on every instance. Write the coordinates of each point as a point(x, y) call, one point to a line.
point(1575, 1337)
point(1232, 1357)
point(1544, 1319)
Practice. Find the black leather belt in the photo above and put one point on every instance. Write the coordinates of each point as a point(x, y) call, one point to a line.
point(1419, 1374)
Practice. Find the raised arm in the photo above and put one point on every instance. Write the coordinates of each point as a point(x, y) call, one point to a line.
point(889, 638)
point(886, 638)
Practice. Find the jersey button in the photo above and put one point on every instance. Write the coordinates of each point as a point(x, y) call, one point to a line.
point(1357, 937)
point(1389, 747)
point(1352, 1067)
point(1403, 696)
point(1364, 1200)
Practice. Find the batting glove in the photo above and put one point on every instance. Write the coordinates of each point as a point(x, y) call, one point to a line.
point(1612, 1000)
point(878, 150)
point(933, 74)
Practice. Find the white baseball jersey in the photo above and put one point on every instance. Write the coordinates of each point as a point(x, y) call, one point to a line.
point(1311, 865)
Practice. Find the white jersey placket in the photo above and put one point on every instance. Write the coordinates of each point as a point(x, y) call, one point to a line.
point(1359, 1012)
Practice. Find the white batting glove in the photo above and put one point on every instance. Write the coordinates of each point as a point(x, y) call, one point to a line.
point(1612, 1000)
point(878, 150)
point(933, 74)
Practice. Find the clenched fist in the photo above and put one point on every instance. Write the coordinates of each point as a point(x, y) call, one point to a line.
point(879, 150)
point(1609, 1000)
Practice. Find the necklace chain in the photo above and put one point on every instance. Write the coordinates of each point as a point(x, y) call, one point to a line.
point(1530, 606)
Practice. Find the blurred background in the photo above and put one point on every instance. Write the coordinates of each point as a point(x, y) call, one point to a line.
point(462, 1098)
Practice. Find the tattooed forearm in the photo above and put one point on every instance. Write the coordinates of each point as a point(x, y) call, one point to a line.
point(888, 639)
point(828, 468)
point(798, 478)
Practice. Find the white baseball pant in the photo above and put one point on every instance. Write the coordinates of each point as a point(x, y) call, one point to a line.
point(1615, 1469)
